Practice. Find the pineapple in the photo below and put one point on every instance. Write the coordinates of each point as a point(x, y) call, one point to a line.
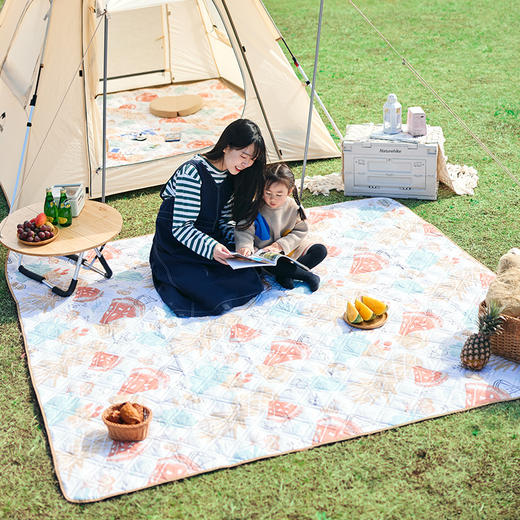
point(477, 348)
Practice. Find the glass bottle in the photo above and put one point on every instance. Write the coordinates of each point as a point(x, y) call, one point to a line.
point(49, 208)
point(64, 209)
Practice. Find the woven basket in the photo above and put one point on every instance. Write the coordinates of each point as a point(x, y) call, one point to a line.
point(127, 432)
point(506, 343)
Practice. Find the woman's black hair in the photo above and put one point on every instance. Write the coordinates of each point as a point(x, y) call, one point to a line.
point(248, 185)
point(282, 173)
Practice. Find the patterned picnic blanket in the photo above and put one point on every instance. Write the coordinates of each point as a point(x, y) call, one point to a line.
point(280, 374)
point(129, 116)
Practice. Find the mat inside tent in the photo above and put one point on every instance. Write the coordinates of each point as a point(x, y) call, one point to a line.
point(280, 374)
point(128, 115)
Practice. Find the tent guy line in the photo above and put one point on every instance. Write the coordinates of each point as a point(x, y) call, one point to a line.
point(406, 63)
point(306, 78)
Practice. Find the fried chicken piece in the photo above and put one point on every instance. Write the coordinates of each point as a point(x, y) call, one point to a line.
point(140, 410)
point(129, 415)
point(114, 416)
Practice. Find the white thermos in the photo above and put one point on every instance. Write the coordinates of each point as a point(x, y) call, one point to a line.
point(392, 115)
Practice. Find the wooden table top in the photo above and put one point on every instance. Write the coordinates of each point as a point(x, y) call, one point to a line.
point(94, 226)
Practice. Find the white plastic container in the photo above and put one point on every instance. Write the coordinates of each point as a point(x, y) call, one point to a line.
point(75, 194)
point(392, 115)
point(381, 168)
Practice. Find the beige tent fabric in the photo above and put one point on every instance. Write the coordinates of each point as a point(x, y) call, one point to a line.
point(191, 56)
point(114, 6)
point(11, 138)
point(10, 16)
point(283, 95)
point(21, 64)
point(134, 55)
point(65, 142)
point(63, 152)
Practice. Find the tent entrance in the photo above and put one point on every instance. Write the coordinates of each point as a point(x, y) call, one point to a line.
point(128, 116)
point(138, 49)
point(175, 46)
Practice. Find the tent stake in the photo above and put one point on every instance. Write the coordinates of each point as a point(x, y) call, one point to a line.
point(311, 104)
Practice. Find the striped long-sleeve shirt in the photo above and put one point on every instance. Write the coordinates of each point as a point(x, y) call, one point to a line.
point(185, 186)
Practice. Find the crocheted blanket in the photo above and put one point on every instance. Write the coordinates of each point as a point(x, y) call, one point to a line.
point(280, 374)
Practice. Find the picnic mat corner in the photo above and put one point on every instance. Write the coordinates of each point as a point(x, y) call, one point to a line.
point(283, 373)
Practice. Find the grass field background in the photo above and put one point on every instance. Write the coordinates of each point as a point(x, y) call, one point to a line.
point(461, 466)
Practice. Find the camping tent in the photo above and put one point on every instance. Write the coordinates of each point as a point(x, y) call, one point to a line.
point(56, 48)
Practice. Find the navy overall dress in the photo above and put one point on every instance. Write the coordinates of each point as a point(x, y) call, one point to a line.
point(190, 284)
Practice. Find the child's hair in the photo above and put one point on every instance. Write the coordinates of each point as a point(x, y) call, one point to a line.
point(248, 185)
point(282, 173)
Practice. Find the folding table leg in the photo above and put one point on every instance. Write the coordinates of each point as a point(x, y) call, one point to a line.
point(107, 273)
point(104, 263)
point(56, 290)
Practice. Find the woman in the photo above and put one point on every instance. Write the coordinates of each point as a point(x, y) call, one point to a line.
point(192, 232)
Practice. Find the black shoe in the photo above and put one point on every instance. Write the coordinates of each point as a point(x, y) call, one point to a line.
point(311, 279)
point(285, 282)
point(314, 256)
point(285, 269)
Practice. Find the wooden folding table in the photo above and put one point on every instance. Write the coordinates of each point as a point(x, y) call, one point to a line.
point(97, 224)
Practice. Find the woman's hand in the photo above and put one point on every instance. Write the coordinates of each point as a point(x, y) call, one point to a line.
point(221, 253)
point(275, 248)
point(245, 251)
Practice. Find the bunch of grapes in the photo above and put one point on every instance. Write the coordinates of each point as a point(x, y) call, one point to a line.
point(29, 232)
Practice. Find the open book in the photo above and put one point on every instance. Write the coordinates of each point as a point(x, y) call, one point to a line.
point(260, 258)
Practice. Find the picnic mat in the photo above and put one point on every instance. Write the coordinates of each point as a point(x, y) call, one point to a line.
point(128, 114)
point(280, 374)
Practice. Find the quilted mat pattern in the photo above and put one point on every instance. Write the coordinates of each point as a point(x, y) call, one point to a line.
point(129, 115)
point(282, 373)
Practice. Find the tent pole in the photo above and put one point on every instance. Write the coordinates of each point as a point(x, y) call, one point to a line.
point(32, 104)
point(104, 144)
point(311, 104)
point(22, 158)
point(305, 77)
point(318, 99)
point(246, 61)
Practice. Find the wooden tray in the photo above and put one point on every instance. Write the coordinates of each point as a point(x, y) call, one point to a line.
point(41, 242)
point(368, 325)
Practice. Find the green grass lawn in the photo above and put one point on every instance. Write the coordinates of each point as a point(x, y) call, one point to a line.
point(465, 465)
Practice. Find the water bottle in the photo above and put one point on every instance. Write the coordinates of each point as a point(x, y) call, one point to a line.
point(392, 115)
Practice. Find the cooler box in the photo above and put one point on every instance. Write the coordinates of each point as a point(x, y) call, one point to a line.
point(389, 168)
point(75, 194)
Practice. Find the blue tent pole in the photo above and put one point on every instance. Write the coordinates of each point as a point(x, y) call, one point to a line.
point(31, 111)
point(311, 104)
point(22, 158)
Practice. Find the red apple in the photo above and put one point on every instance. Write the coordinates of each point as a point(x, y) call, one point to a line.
point(40, 220)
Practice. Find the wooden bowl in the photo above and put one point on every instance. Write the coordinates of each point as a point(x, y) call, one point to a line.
point(42, 242)
point(369, 325)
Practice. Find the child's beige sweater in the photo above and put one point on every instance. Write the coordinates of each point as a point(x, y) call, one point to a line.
point(286, 229)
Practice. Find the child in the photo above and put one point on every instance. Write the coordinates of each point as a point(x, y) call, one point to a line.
point(281, 227)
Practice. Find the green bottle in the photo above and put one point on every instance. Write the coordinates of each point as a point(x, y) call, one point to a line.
point(49, 208)
point(64, 210)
